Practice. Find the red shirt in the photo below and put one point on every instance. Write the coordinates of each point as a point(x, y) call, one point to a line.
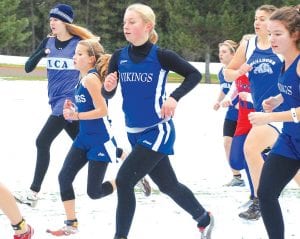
point(245, 107)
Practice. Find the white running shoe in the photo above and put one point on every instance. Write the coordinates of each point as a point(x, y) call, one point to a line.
point(30, 199)
point(64, 231)
point(71, 227)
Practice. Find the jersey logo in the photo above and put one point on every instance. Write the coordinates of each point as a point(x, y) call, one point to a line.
point(100, 154)
point(123, 61)
point(80, 98)
point(263, 68)
point(286, 89)
point(54, 63)
point(225, 85)
point(143, 77)
point(147, 142)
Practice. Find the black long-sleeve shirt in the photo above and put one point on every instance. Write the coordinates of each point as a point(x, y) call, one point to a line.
point(168, 59)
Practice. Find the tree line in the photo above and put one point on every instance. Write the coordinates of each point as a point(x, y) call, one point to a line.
point(192, 28)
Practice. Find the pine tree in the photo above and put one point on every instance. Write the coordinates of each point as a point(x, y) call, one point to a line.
point(12, 28)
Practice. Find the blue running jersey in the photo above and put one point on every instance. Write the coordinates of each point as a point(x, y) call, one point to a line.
point(264, 75)
point(84, 103)
point(95, 136)
point(232, 112)
point(143, 88)
point(288, 143)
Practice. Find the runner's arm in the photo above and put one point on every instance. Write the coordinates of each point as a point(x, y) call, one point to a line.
point(173, 62)
point(35, 58)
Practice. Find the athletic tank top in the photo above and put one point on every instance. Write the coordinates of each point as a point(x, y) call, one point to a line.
point(232, 112)
point(84, 103)
point(289, 86)
point(62, 76)
point(142, 87)
point(264, 75)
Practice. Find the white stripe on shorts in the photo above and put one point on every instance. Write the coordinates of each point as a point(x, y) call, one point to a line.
point(159, 138)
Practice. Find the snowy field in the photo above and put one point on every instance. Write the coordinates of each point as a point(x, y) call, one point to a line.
point(199, 162)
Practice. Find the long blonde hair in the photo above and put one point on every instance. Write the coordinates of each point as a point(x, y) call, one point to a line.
point(147, 15)
point(79, 31)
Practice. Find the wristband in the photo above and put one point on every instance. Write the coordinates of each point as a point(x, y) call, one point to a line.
point(294, 115)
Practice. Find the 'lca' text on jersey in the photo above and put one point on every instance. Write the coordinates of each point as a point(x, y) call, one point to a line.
point(55, 63)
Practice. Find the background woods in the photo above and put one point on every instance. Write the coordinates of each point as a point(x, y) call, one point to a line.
point(193, 28)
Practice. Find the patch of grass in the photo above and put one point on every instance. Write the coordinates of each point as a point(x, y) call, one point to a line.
point(17, 72)
point(14, 73)
point(175, 78)
point(18, 66)
point(24, 77)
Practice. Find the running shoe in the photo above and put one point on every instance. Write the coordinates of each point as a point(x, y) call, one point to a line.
point(30, 199)
point(247, 204)
point(206, 231)
point(26, 235)
point(235, 182)
point(253, 212)
point(70, 228)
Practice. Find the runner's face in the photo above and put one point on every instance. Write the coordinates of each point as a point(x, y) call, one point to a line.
point(57, 26)
point(225, 55)
point(82, 61)
point(281, 40)
point(135, 29)
point(260, 22)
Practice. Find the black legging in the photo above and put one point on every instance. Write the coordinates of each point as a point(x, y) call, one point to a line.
point(277, 172)
point(142, 161)
point(52, 128)
point(74, 161)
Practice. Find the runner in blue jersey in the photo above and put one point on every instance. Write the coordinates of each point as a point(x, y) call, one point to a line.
point(94, 145)
point(141, 69)
point(59, 48)
point(283, 162)
point(227, 49)
point(255, 58)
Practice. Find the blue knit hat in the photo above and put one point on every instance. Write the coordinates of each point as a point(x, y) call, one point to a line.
point(63, 12)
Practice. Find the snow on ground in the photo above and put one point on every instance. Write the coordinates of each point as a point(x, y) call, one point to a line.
point(199, 162)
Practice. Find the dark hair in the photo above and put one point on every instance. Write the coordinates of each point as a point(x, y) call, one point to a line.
point(290, 18)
